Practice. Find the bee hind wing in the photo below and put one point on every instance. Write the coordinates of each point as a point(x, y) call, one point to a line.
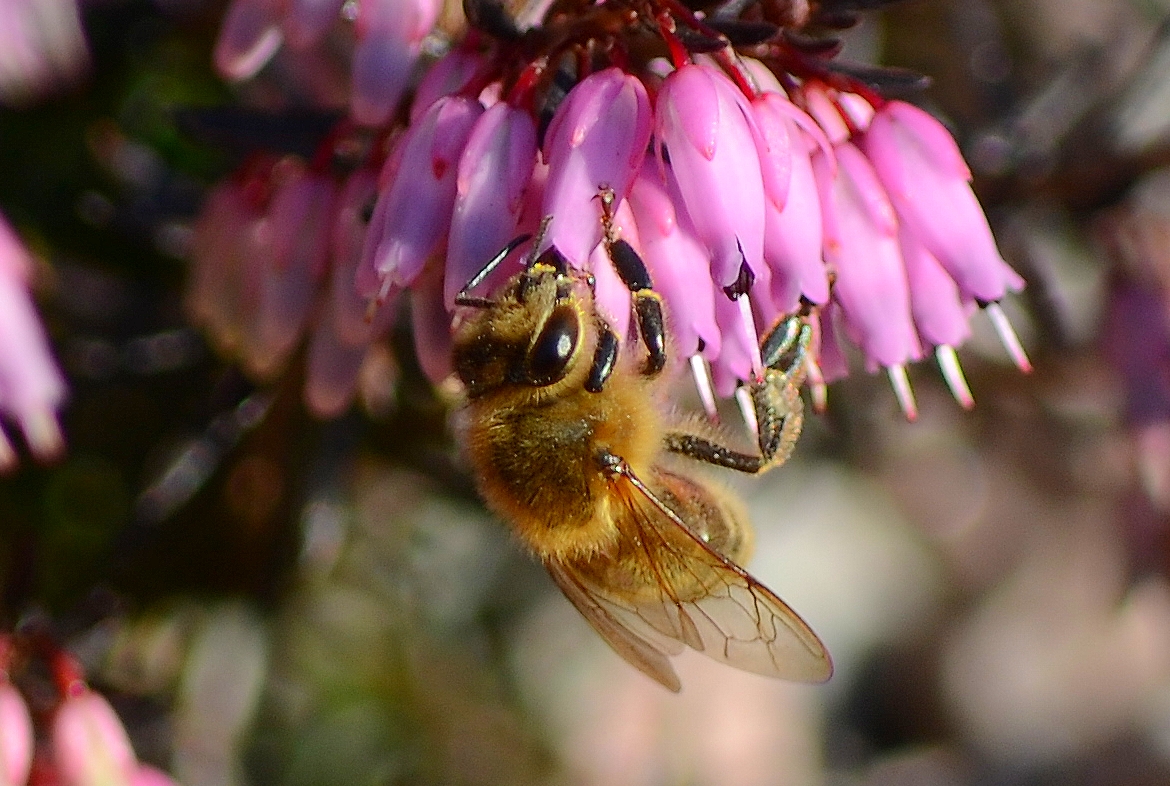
point(734, 618)
point(649, 657)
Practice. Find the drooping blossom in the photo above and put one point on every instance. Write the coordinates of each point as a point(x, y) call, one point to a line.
point(31, 386)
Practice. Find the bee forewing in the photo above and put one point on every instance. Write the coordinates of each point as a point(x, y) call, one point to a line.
point(649, 658)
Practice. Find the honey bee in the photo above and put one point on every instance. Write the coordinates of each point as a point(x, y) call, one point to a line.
point(570, 442)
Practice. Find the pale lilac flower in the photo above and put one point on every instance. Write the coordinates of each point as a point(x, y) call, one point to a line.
point(16, 736)
point(307, 21)
point(31, 386)
point(704, 124)
point(300, 220)
point(923, 171)
point(413, 216)
point(490, 185)
point(597, 138)
point(389, 40)
point(42, 47)
point(248, 37)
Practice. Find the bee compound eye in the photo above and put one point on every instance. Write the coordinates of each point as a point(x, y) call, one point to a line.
point(549, 357)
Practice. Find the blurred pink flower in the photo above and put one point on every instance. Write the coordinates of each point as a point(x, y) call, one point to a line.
point(16, 736)
point(414, 214)
point(31, 385)
point(42, 47)
point(90, 745)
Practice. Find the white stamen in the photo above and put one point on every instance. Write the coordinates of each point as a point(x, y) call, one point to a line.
point(384, 290)
point(818, 390)
point(749, 326)
point(7, 454)
point(901, 384)
point(43, 434)
point(702, 377)
point(1008, 336)
point(748, 410)
point(952, 372)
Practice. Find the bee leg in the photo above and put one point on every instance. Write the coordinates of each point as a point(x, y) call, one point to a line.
point(604, 358)
point(776, 400)
point(632, 271)
point(777, 403)
point(465, 298)
point(647, 303)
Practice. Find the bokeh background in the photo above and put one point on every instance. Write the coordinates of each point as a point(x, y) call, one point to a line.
point(271, 599)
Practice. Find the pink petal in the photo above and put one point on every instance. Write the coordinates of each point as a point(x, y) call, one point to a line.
point(332, 371)
point(90, 745)
point(793, 238)
point(919, 164)
point(450, 74)
point(678, 264)
point(939, 312)
point(349, 230)
point(431, 326)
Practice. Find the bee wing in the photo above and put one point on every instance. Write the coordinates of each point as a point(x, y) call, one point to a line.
point(649, 658)
point(735, 619)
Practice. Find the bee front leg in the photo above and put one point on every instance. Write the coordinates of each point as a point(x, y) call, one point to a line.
point(632, 271)
point(604, 358)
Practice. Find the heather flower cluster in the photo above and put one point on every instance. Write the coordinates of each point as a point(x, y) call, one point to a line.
point(753, 177)
point(86, 743)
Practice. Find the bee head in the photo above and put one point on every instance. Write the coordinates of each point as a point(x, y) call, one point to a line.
point(532, 336)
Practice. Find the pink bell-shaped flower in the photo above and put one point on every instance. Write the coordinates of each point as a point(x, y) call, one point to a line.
point(928, 182)
point(705, 125)
point(596, 139)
